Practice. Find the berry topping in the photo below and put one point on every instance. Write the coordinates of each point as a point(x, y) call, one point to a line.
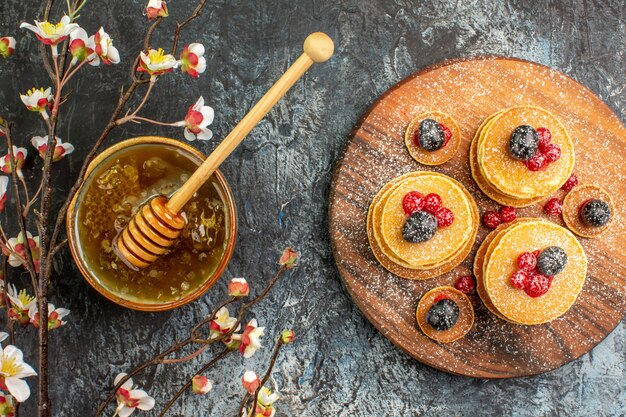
point(523, 143)
point(537, 285)
point(527, 261)
point(412, 201)
point(551, 261)
point(439, 297)
point(444, 217)
point(536, 162)
point(432, 203)
point(552, 152)
point(595, 213)
point(443, 314)
point(571, 182)
point(419, 227)
point(544, 138)
point(447, 133)
point(492, 219)
point(465, 284)
point(430, 135)
point(508, 214)
point(519, 280)
point(553, 206)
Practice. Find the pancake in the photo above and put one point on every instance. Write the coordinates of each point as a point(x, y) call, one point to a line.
point(447, 240)
point(571, 206)
point(461, 327)
point(484, 186)
point(515, 304)
point(437, 157)
point(510, 176)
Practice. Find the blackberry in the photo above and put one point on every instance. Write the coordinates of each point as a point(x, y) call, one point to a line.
point(430, 135)
point(551, 261)
point(443, 314)
point(595, 213)
point(523, 143)
point(419, 227)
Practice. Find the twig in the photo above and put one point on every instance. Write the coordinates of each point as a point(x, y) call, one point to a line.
point(181, 25)
point(189, 382)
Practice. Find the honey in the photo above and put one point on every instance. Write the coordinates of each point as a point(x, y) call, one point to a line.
point(111, 195)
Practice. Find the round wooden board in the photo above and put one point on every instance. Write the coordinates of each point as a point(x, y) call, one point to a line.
point(470, 90)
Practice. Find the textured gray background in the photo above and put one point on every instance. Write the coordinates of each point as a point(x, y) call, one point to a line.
point(340, 365)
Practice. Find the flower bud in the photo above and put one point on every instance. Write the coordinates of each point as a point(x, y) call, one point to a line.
point(288, 258)
point(287, 336)
point(250, 381)
point(201, 384)
point(7, 46)
point(238, 287)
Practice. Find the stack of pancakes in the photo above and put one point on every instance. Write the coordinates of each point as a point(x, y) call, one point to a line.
point(448, 247)
point(495, 263)
point(507, 180)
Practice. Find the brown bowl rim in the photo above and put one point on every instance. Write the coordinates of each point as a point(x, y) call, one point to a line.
point(232, 211)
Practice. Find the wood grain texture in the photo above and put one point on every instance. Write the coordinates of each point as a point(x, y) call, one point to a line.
point(469, 91)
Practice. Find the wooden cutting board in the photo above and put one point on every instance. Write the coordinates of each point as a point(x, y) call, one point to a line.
point(470, 90)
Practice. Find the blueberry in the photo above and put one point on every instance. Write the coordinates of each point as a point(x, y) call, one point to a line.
point(430, 135)
point(595, 213)
point(523, 143)
point(551, 261)
point(419, 227)
point(443, 314)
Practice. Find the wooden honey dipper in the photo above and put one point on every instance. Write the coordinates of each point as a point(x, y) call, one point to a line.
point(158, 223)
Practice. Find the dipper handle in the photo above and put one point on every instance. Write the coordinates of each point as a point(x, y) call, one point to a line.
point(318, 47)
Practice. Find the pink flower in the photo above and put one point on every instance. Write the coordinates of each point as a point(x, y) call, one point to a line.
point(192, 60)
point(198, 118)
point(55, 316)
point(156, 62)
point(41, 144)
point(81, 46)
point(17, 254)
point(288, 258)
point(7, 47)
point(129, 398)
point(20, 158)
point(50, 33)
point(222, 323)
point(201, 384)
point(38, 100)
point(287, 336)
point(250, 382)
point(156, 8)
point(4, 183)
point(21, 304)
point(238, 287)
point(251, 339)
point(104, 49)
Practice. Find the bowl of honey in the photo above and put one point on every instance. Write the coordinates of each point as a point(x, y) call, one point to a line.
point(118, 183)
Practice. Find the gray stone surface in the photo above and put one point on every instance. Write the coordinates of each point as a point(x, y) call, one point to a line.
point(340, 365)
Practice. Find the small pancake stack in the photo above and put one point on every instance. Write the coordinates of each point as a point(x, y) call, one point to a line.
point(445, 245)
point(506, 250)
point(521, 155)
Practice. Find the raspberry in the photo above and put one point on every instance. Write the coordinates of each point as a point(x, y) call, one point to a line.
point(412, 202)
point(527, 261)
point(537, 285)
point(553, 152)
point(544, 138)
point(508, 214)
point(537, 252)
point(537, 162)
point(519, 279)
point(492, 219)
point(432, 203)
point(444, 217)
point(447, 133)
point(465, 284)
point(571, 182)
point(553, 206)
